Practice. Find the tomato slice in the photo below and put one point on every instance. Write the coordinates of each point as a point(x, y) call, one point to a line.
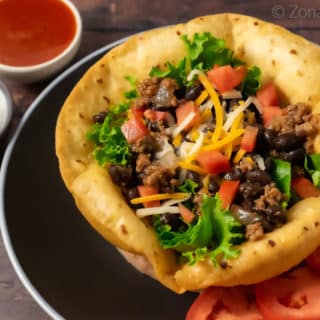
point(248, 141)
point(184, 110)
point(304, 187)
point(213, 161)
point(270, 112)
point(218, 303)
point(313, 261)
point(292, 296)
point(268, 95)
point(134, 129)
point(186, 214)
point(225, 78)
point(148, 191)
point(155, 115)
point(228, 191)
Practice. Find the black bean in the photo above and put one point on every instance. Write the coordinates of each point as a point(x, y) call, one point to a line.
point(295, 156)
point(99, 117)
point(287, 141)
point(260, 141)
point(121, 175)
point(180, 93)
point(232, 103)
point(245, 217)
point(235, 174)
point(260, 176)
point(132, 193)
point(276, 215)
point(194, 176)
point(213, 186)
point(269, 135)
point(251, 190)
point(172, 220)
point(153, 126)
point(268, 163)
point(193, 92)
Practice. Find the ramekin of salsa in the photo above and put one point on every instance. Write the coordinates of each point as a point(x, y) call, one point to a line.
point(38, 38)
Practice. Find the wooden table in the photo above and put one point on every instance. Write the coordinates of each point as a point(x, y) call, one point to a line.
point(106, 21)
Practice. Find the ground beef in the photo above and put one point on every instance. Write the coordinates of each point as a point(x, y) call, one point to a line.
point(146, 144)
point(157, 92)
point(298, 119)
point(271, 196)
point(142, 162)
point(165, 94)
point(247, 165)
point(254, 231)
point(292, 116)
point(159, 177)
point(147, 89)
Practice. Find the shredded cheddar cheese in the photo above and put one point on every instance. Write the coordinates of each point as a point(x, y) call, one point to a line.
point(203, 96)
point(237, 122)
point(177, 140)
point(228, 151)
point(160, 196)
point(216, 104)
point(192, 167)
point(226, 140)
point(239, 155)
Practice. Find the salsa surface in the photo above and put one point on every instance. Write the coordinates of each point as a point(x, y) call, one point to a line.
point(34, 31)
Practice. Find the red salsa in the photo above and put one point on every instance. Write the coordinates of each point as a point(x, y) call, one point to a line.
point(34, 31)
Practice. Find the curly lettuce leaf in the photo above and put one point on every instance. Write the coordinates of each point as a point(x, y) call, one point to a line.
point(252, 82)
point(212, 235)
point(133, 93)
point(110, 144)
point(189, 186)
point(312, 166)
point(178, 72)
point(204, 51)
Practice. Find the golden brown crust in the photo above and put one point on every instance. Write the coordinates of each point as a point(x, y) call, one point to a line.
point(293, 65)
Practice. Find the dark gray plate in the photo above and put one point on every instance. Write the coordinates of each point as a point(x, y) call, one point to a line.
point(66, 266)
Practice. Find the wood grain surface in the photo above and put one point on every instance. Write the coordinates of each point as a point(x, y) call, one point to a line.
point(106, 21)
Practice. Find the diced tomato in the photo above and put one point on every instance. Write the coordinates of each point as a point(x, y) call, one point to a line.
point(268, 95)
point(228, 191)
point(184, 110)
point(291, 296)
point(270, 112)
point(313, 260)
point(224, 304)
point(155, 115)
point(304, 187)
point(137, 112)
point(186, 214)
point(213, 162)
point(134, 129)
point(148, 191)
point(225, 78)
point(249, 138)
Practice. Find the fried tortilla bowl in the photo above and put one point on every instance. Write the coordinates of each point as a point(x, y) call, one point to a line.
point(290, 61)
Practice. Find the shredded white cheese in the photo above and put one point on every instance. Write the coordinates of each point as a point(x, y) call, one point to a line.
point(234, 114)
point(193, 73)
point(172, 202)
point(257, 104)
point(144, 212)
point(183, 124)
point(232, 94)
